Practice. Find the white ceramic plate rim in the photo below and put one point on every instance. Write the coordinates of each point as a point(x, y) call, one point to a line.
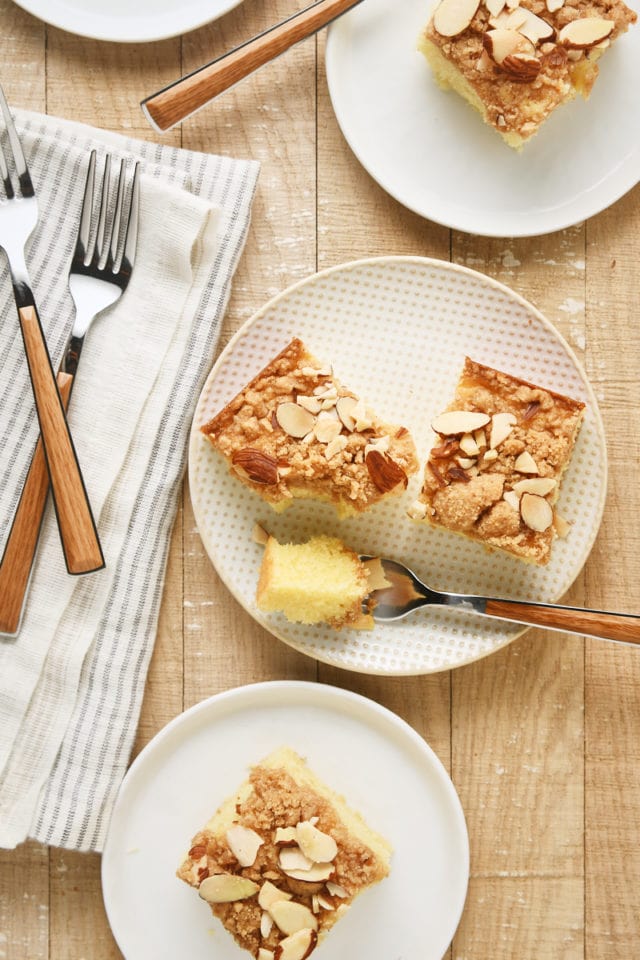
point(592, 200)
point(70, 15)
point(291, 693)
point(209, 546)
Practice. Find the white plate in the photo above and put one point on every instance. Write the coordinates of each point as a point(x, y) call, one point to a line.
point(432, 152)
point(127, 22)
point(365, 752)
point(396, 331)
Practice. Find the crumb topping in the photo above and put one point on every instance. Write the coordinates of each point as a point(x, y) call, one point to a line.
point(273, 809)
point(498, 483)
point(524, 59)
point(295, 431)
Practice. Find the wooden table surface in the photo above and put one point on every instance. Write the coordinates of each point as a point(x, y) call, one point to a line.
point(542, 739)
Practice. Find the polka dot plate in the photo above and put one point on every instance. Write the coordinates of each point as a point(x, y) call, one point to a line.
point(396, 330)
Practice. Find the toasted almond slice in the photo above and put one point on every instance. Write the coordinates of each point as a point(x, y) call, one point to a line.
point(316, 845)
point(501, 426)
point(536, 512)
point(296, 947)
point(244, 844)
point(525, 463)
point(541, 486)
point(266, 924)
point(480, 437)
point(226, 888)
point(325, 903)
point(290, 916)
point(260, 535)
point(455, 422)
point(469, 445)
point(453, 16)
point(285, 835)
point(270, 894)
point(509, 19)
point(554, 5)
point(327, 429)
point(336, 890)
point(417, 510)
point(535, 28)
point(315, 874)
point(506, 42)
point(495, 6)
point(345, 407)
point(312, 404)
point(465, 462)
point(512, 498)
point(381, 444)
point(561, 526)
point(585, 32)
point(294, 419)
point(292, 858)
point(362, 416)
point(264, 954)
point(522, 66)
point(490, 455)
point(335, 446)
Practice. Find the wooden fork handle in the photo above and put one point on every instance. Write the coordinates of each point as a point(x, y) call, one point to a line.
point(182, 98)
point(20, 548)
point(78, 533)
point(593, 623)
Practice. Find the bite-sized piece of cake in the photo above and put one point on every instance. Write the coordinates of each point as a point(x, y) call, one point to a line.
point(494, 474)
point(515, 62)
point(321, 581)
point(283, 859)
point(295, 431)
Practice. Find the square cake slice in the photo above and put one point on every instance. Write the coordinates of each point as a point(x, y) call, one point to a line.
point(515, 62)
point(295, 431)
point(283, 859)
point(494, 475)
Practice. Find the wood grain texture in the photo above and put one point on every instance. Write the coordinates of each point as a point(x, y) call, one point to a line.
point(610, 626)
point(542, 738)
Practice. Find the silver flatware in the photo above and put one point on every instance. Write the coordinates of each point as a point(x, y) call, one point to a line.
point(100, 272)
point(407, 593)
point(18, 218)
point(185, 96)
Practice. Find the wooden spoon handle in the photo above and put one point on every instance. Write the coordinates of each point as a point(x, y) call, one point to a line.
point(80, 542)
point(20, 549)
point(624, 627)
point(183, 97)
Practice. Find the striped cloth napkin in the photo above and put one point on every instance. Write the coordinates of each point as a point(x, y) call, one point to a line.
point(71, 683)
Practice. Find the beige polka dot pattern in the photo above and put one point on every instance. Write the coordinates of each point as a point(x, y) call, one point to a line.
point(396, 331)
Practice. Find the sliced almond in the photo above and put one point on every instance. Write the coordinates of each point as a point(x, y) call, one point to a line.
point(255, 465)
point(465, 462)
point(585, 32)
point(294, 419)
point(495, 6)
point(345, 407)
point(561, 526)
point(385, 473)
point(270, 894)
point(316, 873)
point(525, 463)
point(244, 844)
point(335, 446)
point(541, 486)
point(453, 16)
point(296, 947)
point(417, 510)
point(316, 845)
point(490, 455)
point(266, 924)
point(500, 44)
point(554, 5)
point(381, 444)
point(336, 890)
point(285, 835)
point(501, 426)
point(362, 416)
point(312, 404)
point(260, 535)
point(512, 498)
point(522, 66)
point(535, 28)
point(469, 445)
point(226, 888)
point(509, 19)
point(290, 916)
point(455, 422)
point(536, 512)
point(480, 437)
point(325, 903)
point(264, 954)
point(327, 429)
point(292, 858)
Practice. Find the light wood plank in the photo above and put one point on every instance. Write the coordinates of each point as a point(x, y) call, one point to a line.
point(24, 903)
point(79, 926)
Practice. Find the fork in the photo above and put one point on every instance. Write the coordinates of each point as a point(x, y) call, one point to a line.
point(405, 592)
point(100, 272)
point(18, 218)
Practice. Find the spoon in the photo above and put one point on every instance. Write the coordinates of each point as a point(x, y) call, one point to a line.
point(407, 593)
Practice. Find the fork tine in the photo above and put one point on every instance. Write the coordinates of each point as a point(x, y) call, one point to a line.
point(84, 229)
point(114, 232)
point(131, 232)
point(98, 249)
point(6, 179)
point(26, 186)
